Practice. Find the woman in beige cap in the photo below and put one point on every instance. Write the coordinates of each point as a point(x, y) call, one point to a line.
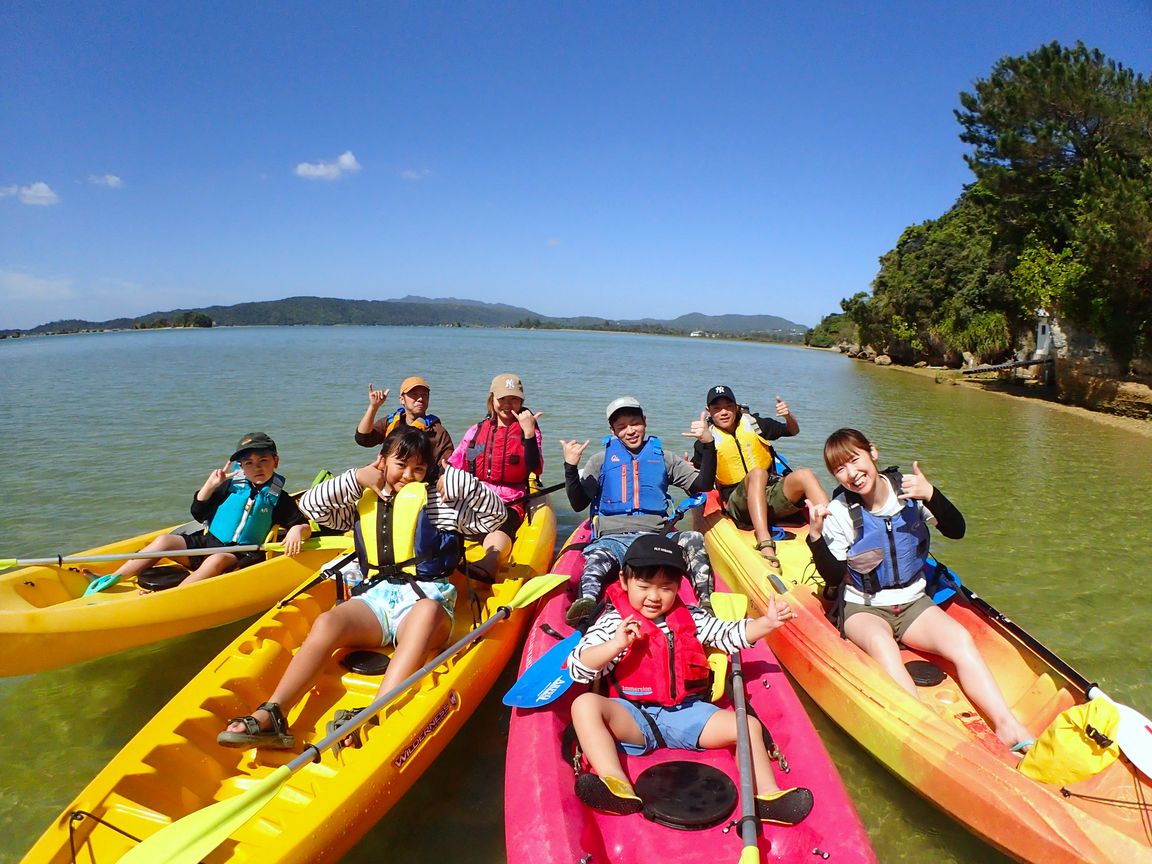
point(413, 411)
point(502, 450)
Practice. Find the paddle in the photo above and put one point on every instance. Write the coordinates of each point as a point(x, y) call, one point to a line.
point(1135, 733)
point(547, 679)
point(107, 581)
point(529, 496)
point(188, 840)
point(326, 542)
point(733, 607)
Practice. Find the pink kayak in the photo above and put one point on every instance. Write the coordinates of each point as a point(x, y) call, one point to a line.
point(544, 821)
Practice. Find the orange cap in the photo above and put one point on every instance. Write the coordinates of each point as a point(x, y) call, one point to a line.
point(413, 381)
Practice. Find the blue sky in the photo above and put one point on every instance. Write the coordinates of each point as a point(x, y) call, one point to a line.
point(620, 159)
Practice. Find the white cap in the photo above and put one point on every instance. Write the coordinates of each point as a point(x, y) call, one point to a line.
point(622, 402)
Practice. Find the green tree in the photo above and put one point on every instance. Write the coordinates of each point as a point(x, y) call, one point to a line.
point(1062, 142)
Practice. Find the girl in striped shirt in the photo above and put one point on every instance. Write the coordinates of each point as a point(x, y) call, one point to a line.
point(414, 612)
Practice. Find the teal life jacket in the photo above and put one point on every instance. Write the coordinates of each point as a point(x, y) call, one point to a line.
point(245, 516)
point(633, 483)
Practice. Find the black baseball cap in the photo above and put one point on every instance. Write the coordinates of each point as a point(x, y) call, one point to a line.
point(719, 392)
point(656, 550)
point(253, 441)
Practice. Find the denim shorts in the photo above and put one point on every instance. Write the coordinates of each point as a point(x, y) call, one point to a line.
point(680, 725)
point(391, 602)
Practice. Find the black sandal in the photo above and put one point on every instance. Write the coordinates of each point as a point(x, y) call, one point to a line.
point(342, 716)
point(276, 738)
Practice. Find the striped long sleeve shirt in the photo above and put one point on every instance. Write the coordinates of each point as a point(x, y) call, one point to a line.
point(465, 504)
point(728, 636)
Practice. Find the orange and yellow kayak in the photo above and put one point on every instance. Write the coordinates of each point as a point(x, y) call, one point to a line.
point(940, 745)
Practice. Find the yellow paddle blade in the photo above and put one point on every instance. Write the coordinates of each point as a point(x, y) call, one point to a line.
point(750, 855)
point(537, 587)
point(188, 840)
point(729, 607)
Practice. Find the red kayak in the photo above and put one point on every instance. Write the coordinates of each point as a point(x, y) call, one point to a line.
point(544, 821)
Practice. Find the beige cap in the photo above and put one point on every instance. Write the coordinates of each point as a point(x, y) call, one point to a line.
point(413, 381)
point(507, 384)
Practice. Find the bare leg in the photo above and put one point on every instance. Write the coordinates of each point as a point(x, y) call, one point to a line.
point(495, 545)
point(874, 635)
point(349, 624)
point(756, 494)
point(600, 723)
point(425, 628)
point(720, 731)
point(213, 565)
point(163, 543)
point(934, 631)
point(803, 484)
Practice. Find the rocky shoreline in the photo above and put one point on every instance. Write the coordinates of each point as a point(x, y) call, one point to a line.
point(1139, 395)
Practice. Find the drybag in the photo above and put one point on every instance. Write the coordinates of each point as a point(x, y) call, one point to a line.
point(1080, 743)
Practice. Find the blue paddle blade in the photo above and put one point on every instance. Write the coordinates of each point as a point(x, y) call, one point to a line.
point(546, 680)
point(97, 585)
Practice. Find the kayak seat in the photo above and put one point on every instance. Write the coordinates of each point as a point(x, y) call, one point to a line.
point(688, 796)
point(365, 662)
point(924, 673)
point(1042, 702)
point(161, 578)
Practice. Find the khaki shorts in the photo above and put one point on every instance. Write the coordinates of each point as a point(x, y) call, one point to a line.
point(899, 618)
point(778, 503)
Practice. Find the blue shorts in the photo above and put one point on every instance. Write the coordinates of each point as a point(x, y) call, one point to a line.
point(390, 603)
point(680, 725)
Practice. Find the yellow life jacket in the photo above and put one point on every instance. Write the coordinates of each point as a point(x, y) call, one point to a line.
point(386, 531)
point(739, 453)
point(1079, 743)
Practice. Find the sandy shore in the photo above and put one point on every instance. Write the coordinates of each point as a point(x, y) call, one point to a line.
point(1017, 390)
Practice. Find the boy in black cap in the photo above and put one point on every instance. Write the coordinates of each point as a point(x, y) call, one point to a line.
point(649, 648)
point(239, 504)
point(754, 494)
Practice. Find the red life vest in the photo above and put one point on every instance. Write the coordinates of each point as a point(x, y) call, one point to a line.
point(660, 670)
point(496, 453)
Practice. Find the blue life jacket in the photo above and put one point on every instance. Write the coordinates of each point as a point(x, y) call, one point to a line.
point(245, 516)
point(889, 551)
point(633, 483)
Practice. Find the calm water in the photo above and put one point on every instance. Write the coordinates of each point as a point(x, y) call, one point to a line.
point(108, 435)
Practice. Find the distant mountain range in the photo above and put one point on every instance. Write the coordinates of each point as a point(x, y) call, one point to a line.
point(424, 311)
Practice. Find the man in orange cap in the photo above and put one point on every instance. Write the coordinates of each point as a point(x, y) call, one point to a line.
point(413, 411)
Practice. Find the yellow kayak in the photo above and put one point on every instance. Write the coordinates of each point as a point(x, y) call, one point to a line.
point(46, 621)
point(173, 767)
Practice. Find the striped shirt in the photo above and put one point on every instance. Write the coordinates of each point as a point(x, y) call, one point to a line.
point(465, 505)
point(728, 636)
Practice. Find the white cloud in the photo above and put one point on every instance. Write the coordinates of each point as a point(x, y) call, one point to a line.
point(38, 194)
point(345, 163)
point(109, 180)
point(415, 174)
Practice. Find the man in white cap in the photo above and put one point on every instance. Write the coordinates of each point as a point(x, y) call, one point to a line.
point(626, 485)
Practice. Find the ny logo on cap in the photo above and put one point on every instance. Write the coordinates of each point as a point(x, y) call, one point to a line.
point(720, 389)
point(509, 383)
